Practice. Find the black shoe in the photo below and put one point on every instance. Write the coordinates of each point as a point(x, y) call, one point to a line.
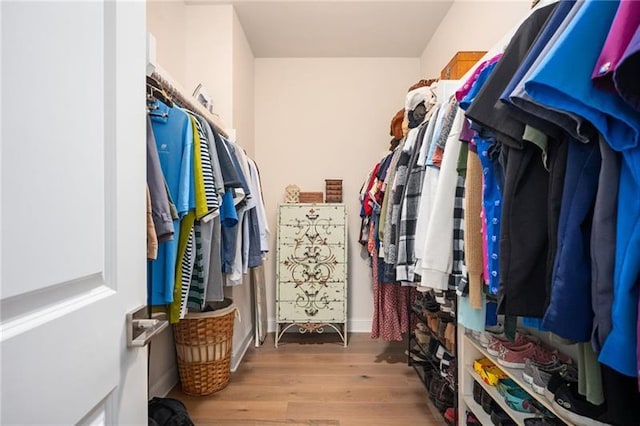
point(488, 404)
point(500, 418)
point(575, 408)
point(477, 392)
point(544, 421)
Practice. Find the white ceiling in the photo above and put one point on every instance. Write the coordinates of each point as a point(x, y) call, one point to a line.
point(336, 28)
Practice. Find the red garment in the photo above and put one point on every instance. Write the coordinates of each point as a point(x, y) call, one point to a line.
point(390, 306)
point(367, 203)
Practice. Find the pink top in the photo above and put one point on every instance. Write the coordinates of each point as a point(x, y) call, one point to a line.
point(466, 87)
point(624, 26)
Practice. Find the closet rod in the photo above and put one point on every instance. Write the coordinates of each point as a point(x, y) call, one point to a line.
point(188, 102)
point(175, 91)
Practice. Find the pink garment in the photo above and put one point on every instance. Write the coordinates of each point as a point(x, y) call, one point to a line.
point(466, 87)
point(390, 307)
point(624, 26)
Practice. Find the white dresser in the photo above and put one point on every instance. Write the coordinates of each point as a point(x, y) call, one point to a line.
point(311, 275)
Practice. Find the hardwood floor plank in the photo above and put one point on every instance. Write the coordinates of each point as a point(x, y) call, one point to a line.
point(312, 381)
point(357, 410)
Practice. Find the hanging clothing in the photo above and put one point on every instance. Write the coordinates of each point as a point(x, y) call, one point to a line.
point(174, 141)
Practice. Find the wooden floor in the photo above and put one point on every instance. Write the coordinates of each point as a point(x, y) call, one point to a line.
point(314, 380)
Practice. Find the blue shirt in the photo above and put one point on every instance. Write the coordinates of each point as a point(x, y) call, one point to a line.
point(174, 139)
point(578, 49)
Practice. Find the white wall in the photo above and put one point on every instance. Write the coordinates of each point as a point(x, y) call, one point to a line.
point(327, 118)
point(243, 70)
point(209, 54)
point(470, 25)
point(166, 20)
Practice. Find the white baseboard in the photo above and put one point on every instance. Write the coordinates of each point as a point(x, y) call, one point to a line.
point(165, 383)
point(237, 355)
point(353, 326)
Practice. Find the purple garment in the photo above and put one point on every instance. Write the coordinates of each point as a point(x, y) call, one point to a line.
point(624, 26)
point(462, 92)
point(467, 133)
point(626, 74)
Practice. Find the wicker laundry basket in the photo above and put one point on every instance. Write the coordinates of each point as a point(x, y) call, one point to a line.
point(203, 347)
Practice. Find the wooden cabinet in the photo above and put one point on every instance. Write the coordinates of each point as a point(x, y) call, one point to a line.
point(460, 64)
point(311, 275)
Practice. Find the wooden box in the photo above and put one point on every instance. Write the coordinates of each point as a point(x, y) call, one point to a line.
point(460, 64)
point(311, 197)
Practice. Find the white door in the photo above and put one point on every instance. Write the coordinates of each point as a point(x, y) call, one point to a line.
point(72, 211)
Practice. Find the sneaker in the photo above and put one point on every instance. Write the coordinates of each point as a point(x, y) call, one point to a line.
point(450, 415)
point(480, 364)
point(472, 420)
point(487, 403)
point(574, 408)
point(444, 398)
point(515, 356)
point(422, 337)
point(477, 392)
point(542, 376)
point(500, 418)
point(497, 342)
point(480, 338)
point(440, 297)
point(492, 375)
point(544, 421)
point(567, 374)
point(530, 366)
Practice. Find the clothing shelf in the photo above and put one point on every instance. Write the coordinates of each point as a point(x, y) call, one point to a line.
point(472, 349)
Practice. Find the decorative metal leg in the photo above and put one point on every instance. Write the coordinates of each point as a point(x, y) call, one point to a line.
point(344, 327)
point(277, 336)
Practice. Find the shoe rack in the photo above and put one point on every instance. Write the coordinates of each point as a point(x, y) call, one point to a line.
point(470, 350)
point(427, 346)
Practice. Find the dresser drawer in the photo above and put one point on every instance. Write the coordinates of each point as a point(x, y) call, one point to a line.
point(313, 256)
point(315, 233)
point(321, 273)
point(329, 291)
point(323, 214)
point(292, 311)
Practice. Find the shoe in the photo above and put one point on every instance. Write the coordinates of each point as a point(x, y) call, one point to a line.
point(515, 356)
point(487, 403)
point(480, 338)
point(542, 375)
point(436, 386)
point(444, 398)
point(574, 408)
point(481, 364)
point(500, 418)
point(472, 420)
point(440, 297)
point(530, 367)
point(450, 416)
point(422, 337)
point(497, 342)
point(477, 392)
point(450, 337)
point(568, 374)
point(544, 421)
point(417, 356)
point(493, 375)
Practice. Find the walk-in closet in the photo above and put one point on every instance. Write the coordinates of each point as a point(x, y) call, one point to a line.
point(320, 212)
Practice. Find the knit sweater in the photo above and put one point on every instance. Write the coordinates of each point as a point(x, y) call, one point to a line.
point(473, 229)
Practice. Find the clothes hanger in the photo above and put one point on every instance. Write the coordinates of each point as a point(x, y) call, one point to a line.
point(156, 92)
